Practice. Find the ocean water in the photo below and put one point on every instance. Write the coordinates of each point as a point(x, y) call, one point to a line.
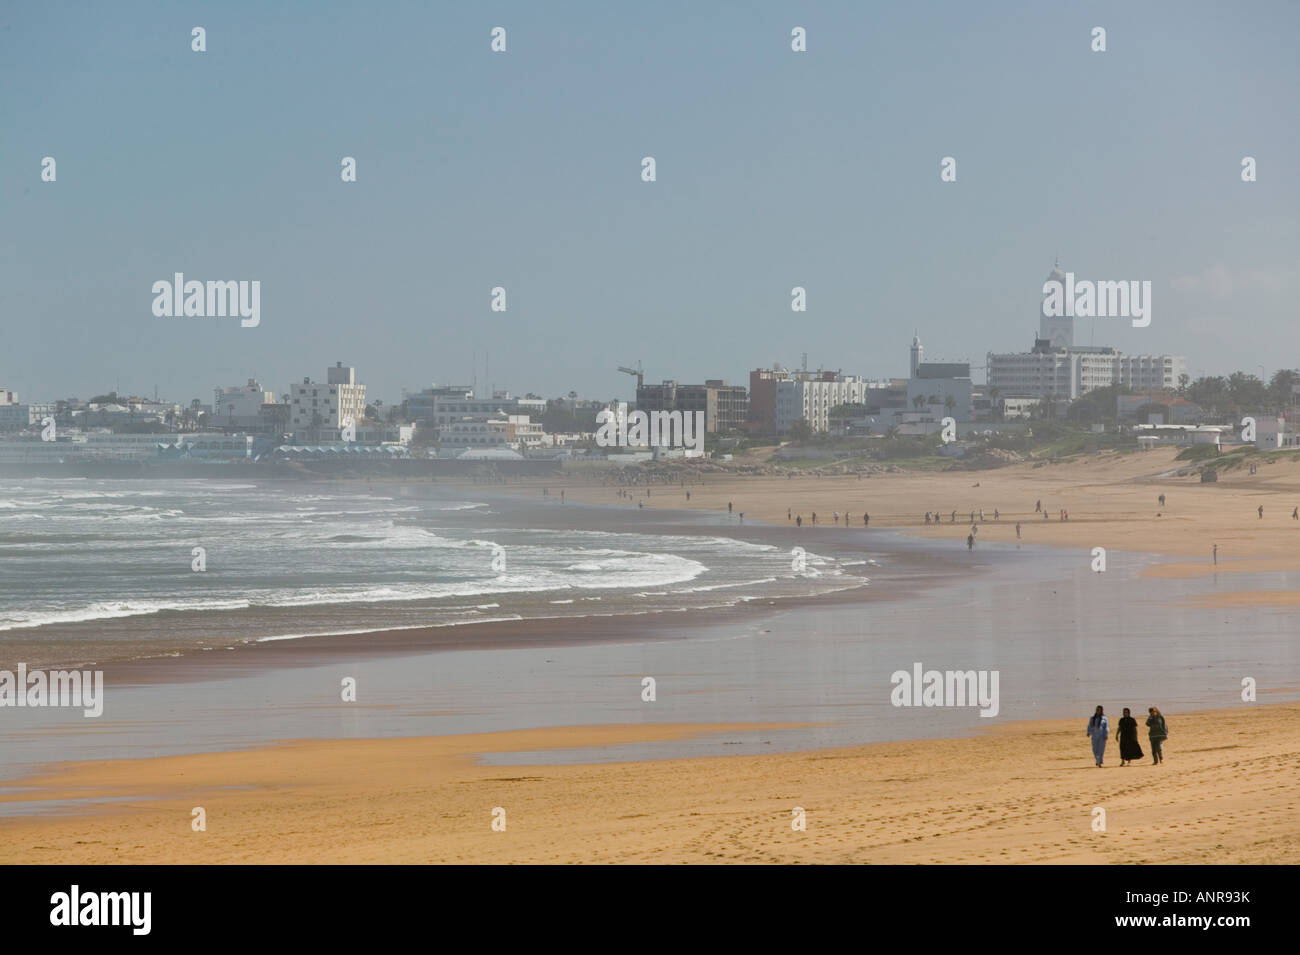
point(105, 569)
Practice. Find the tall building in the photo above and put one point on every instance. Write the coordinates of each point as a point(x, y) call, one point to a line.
point(318, 411)
point(917, 354)
point(1057, 330)
point(1058, 368)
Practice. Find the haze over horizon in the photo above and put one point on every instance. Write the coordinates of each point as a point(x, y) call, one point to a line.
point(522, 169)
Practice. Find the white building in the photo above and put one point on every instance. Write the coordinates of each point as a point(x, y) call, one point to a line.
point(1058, 367)
point(239, 401)
point(8, 397)
point(1273, 434)
point(319, 411)
point(811, 396)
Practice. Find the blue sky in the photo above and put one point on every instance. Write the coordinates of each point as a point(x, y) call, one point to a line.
point(522, 170)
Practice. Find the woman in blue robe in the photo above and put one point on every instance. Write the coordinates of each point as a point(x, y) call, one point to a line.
point(1098, 729)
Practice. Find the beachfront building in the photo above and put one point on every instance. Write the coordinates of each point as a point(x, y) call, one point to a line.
point(438, 407)
point(318, 411)
point(1154, 435)
point(1178, 410)
point(241, 400)
point(1070, 373)
point(725, 407)
point(811, 396)
point(1057, 368)
point(943, 388)
point(8, 397)
point(1273, 433)
point(20, 417)
point(500, 430)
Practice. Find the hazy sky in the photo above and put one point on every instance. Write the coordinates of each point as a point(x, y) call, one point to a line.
point(522, 170)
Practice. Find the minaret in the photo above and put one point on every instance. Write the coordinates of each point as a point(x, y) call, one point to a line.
point(916, 353)
point(1058, 329)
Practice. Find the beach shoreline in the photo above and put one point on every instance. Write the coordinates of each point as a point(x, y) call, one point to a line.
point(1022, 792)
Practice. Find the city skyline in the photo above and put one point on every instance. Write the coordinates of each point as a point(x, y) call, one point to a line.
point(522, 170)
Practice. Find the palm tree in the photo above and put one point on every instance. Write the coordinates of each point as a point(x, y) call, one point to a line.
point(892, 431)
point(918, 401)
point(949, 403)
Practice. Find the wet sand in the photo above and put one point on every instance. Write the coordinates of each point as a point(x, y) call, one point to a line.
point(1022, 793)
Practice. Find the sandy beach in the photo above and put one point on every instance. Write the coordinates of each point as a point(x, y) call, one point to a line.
point(1111, 499)
point(1023, 793)
point(1020, 791)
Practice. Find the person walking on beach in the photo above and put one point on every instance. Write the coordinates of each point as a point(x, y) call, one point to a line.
point(1038, 506)
point(798, 521)
point(787, 512)
point(1162, 500)
point(972, 517)
point(1215, 553)
point(1157, 732)
point(970, 541)
point(1017, 530)
point(981, 515)
point(742, 517)
point(927, 518)
point(866, 519)
point(953, 520)
point(837, 517)
point(1129, 748)
point(1295, 514)
point(996, 515)
point(1261, 512)
point(688, 495)
point(728, 507)
point(1098, 729)
point(814, 517)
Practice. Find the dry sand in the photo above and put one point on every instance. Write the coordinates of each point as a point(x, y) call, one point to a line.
point(1226, 793)
point(1111, 500)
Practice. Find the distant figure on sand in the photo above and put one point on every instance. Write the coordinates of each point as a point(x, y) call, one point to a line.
point(837, 517)
point(1215, 553)
point(1157, 732)
point(787, 512)
point(742, 517)
point(1295, 514)
point(1038, 506)
point(866, 519)
point(1098, 729)
point(927, 517)
point(970, 541)
point(1129, 748)
point(981, 515)
point(728, 507)
point(1261, 512)
point(798, 521)
point(1017, 530)
point(1162, 500)
point(954, 518)
point(996, 515)
point(814, 517)
point(688, 495)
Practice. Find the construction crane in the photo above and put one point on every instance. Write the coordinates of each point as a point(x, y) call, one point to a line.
point(640, 375)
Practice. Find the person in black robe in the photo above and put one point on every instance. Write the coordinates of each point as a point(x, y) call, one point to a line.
point(1129, 748)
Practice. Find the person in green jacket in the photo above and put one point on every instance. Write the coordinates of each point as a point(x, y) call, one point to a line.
point(1159, 732)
